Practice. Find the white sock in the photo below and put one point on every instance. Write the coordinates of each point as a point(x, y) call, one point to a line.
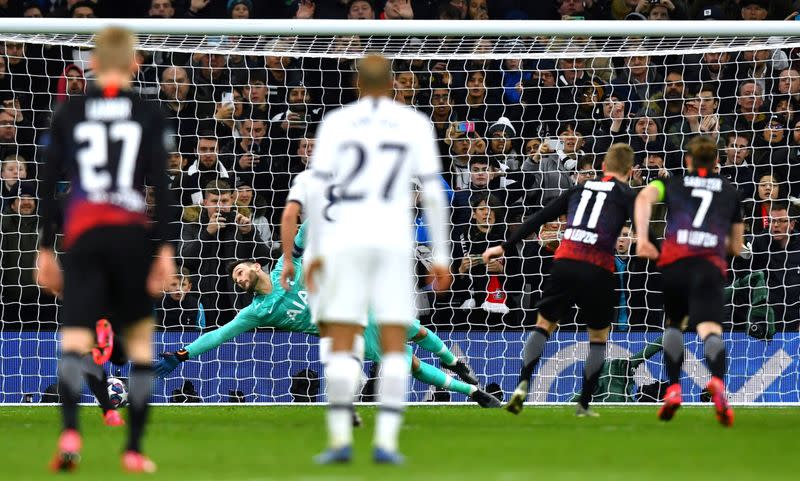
point(341, 377)
point(392, 396)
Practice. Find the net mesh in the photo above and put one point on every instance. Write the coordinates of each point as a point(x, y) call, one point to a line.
point(518, 119)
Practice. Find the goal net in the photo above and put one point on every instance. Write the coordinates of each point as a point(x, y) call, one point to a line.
point(519, 119)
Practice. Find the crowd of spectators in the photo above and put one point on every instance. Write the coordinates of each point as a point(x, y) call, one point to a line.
point(513, 134)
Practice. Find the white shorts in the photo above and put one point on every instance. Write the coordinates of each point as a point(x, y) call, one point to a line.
point(356, 280)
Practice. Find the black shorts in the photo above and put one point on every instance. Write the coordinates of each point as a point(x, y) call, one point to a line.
point(693, 287)
point(105, 276)
point(573, 282)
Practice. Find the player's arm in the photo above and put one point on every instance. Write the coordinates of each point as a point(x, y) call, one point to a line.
point(552, 211)
point(49, 274)
point(651, 234)
point(246, 320)
point(736, 235)
point(164, 212)
point(642, 212)
point(434, 203)
point(291, 213)
point(736, 239)
point(322, 168)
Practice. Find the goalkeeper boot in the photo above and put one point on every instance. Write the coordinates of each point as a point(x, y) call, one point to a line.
point(101, 354)
point(335, 456)
point(68, 455)
point(485, 400)
point(672, 402)
point(113, 418)
point(517, 400)
point(135, 462)
point(464, 372)
point(382, 456)
point(724, 411)
point(585, 412)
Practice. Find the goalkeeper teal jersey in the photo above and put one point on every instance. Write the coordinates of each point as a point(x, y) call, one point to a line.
point(285, 311)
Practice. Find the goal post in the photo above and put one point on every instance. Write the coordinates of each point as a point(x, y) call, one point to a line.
point(522, 110)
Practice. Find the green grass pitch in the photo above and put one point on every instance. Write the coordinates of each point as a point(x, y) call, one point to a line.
point(240, 443)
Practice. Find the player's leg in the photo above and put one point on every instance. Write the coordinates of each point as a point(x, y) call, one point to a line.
point(325, 344)
point(592, 368)
point(436, 377)
point(96, 380)
point(531, 352)
point(342, 376)
point(597, 298)
point(714, 350)
point(707, 308)
point(428, 340)
point(676, 311)
point(95, 375)
point(391, 294)
point(85, 296)
point(75, 344)
point(341, 315)
point(131, 312)
point(393, 384)
point(139, 346)
point(557, 298)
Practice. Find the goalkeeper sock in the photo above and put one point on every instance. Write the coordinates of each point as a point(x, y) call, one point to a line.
point(532, 351)
point(673, 353)
point(342, 375)
point(435, 377)
point(96, 379)
point(714, 348)
point(70, 374)
point(433, 343)
point(392, 396)
point(139, 386)
point(591, 371)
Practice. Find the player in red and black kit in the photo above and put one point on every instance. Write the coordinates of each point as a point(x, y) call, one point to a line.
point(107, 144)
point(583, 270)
point(704, 222)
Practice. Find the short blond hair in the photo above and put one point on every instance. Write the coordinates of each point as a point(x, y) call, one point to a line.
point(115, 49)
point(703, 151)
point(619, 159)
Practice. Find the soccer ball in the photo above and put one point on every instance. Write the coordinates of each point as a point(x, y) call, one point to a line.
point(117, 392)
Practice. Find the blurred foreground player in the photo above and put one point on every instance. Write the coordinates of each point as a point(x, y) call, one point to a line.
point(583, 270)
point(107, 144)
point(365, 157)
point(704, 216)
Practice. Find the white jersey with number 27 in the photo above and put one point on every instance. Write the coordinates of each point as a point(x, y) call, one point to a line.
point(366, 156)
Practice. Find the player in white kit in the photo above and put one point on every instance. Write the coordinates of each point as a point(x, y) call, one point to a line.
point(366, 156)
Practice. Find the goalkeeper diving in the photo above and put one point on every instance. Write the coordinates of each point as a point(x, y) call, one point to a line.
point(288, 310)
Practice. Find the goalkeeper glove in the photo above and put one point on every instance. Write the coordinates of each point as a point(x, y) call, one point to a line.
point(169, 361)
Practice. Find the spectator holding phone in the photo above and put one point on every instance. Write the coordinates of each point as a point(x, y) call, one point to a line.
point(554, 173)
point(459, 140)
